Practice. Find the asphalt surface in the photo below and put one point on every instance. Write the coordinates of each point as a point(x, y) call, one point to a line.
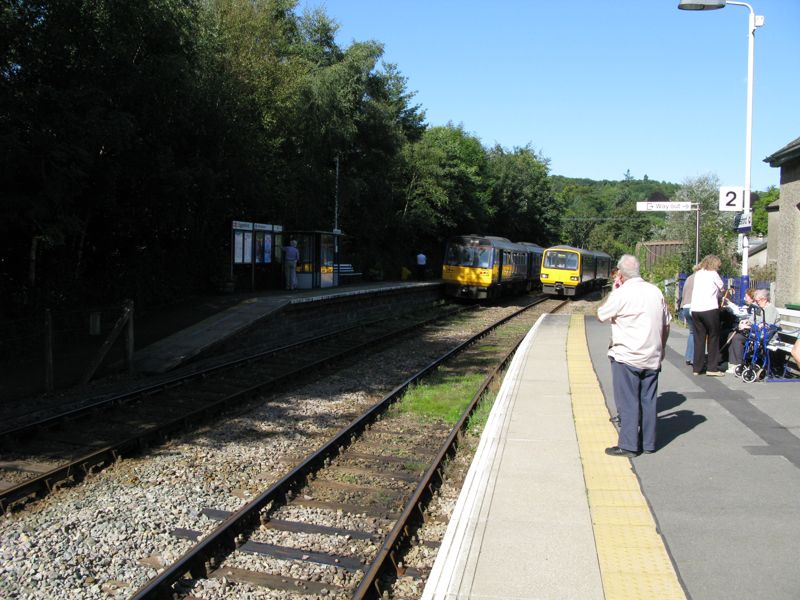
point(724, 485)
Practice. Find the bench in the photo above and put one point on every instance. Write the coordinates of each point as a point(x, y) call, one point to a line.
point(789, 322)
point(347, 274)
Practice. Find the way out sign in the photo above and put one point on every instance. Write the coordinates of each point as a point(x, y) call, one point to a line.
point(731, 198)
point(659, 206)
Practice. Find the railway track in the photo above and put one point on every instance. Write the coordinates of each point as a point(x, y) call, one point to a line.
point(337, 524)
point(64, 448)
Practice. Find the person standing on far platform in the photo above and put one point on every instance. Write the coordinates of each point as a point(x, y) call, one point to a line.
point(705, 314)
point(290, 257)
point(422, 262)
point(686, 313)
point(639, 330)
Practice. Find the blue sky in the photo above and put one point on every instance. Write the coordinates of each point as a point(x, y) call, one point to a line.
point(598, 87)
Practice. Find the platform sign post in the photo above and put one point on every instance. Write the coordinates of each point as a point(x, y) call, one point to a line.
point(676, 206)
point(743, 222)
point(731, 198)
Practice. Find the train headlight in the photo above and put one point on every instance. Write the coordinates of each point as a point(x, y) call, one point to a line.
point(573, 278)
point(545, 275)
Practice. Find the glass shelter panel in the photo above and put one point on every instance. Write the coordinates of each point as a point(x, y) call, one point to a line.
point(327, 257)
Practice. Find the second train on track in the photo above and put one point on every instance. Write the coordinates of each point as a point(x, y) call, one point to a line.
point(487, 267)
point(569, 271)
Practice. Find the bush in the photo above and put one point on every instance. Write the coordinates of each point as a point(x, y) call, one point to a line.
point(764, 272)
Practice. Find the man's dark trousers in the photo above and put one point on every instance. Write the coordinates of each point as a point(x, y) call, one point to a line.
point(635, 393)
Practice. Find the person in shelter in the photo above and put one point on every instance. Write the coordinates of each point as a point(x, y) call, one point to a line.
point(290, 257)
point(639, 330)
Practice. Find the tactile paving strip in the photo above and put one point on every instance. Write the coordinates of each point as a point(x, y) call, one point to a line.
point(633, 560)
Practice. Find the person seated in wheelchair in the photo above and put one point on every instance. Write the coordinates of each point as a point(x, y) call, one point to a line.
point(761, 311)
point(740, 318)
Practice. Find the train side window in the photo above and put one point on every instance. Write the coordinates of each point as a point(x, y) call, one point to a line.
point(485, 258)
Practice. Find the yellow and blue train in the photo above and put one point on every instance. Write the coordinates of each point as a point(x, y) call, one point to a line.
point(569, 271)
point(486, 267)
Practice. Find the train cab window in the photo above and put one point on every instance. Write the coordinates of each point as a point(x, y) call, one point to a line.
point(561, 260)
point(469, 256)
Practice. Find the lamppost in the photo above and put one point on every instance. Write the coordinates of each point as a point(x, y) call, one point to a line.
point(753, 23)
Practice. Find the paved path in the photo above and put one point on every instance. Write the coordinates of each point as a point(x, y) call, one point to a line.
point(713, 514)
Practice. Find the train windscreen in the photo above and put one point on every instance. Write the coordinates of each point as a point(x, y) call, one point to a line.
point(556, 259)
point(468, 256)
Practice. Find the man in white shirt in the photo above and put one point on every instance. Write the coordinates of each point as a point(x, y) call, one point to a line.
point(639, 330)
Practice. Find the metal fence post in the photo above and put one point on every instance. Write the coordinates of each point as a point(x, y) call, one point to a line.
point(48, 350)
point(129, 346)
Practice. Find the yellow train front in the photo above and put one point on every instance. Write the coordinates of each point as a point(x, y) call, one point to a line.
point(568, 271)
point(484, 266)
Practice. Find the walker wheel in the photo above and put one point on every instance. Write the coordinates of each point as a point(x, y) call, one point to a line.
point(738, 370)
point(749, 375)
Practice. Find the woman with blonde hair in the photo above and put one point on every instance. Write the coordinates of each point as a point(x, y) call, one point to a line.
point(705, 315)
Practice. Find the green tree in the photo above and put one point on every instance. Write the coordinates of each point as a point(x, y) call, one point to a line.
point(524, 205)
point(760, 203)
point(716, 228)
point(95, 98)
point(602, 215)
point(446, 189)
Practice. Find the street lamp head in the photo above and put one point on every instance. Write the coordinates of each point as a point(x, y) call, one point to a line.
point(706, 5)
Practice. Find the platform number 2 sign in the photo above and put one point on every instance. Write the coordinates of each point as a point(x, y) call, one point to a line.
point(731, 198)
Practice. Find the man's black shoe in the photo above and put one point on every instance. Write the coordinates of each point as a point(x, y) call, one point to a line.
point(617, 451)
point(649, 451)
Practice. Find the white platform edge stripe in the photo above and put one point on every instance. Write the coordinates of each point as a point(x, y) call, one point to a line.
point(450, 559)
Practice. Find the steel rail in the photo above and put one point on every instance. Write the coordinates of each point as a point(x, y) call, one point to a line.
point(77, 469)
point(369, 587)
point(177, 380)
point(198, 560)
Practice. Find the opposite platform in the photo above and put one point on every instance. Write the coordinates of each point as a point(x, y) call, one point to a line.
point(178, 348)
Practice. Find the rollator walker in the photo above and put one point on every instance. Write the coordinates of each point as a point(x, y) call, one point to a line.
point(756, 364)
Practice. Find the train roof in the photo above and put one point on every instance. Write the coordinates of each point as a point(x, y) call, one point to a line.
point(477, 238)
point(580, 250)
point(531, 245)
point(495, 242)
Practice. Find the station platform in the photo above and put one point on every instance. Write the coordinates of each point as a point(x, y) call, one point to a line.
point(175, 349)
point(171, 336)
point(714, 513)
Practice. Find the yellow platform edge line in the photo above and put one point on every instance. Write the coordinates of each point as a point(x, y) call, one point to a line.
point(633, 560)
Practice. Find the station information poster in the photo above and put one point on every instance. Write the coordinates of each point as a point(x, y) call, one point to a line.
point(242, 242)
point(238, 250)
point(252, 242)
point(263, 242)
point(248, 247)
point(267, 248)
